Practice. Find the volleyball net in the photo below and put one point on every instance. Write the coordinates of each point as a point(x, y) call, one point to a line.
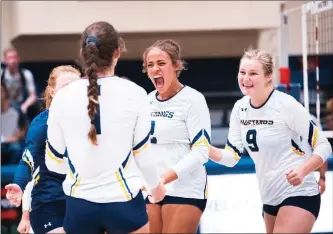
point(315, 65)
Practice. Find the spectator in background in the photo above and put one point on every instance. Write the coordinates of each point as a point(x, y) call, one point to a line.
point(329, 105)
point(329, 127)
point(329, 118)
point(13, 127)
point(329, 124)
point(20, 84)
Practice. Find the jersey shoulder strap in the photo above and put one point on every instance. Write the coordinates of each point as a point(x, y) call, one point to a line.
point(22, 77)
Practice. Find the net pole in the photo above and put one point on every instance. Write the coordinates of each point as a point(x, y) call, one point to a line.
point(317, 70)
point(283, 45)
point(284, 40)
point(305, 58)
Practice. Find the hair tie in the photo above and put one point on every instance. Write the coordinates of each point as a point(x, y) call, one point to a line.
point(91, 98)
point(92, 40)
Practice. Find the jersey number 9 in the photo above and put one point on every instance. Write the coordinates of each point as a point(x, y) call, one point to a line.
point(251, 138)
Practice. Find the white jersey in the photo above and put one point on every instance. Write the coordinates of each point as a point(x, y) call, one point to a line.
point(305, 144)
point(26, 198)
point(102, 173)
point(271, 135)
point(180, 140)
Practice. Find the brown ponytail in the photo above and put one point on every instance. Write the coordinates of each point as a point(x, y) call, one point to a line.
point(91, 72)
point(99, 41)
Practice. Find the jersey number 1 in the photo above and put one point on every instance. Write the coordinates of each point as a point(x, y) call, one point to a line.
point(97, 120)
point(153, 139)
point(251, 138)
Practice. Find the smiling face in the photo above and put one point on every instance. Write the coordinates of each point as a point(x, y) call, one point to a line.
point(160, 69)
point(255, 73)
point(251, 77)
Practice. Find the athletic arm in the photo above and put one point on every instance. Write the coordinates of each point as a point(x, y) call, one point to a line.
point(26, 199)
point(23, 173)
point(30, 86)
point(28, 167)
point(322, 171)
point(55, 149)
point(199, 129)
point(300, 122)
point(322, 178)
point(141, 143)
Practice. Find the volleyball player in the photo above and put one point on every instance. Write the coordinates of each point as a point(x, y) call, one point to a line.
point(98, 122)
point(180, 141)
point(48, 202)
point(267, 123)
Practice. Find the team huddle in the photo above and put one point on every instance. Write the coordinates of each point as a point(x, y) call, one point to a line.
point(105, 157)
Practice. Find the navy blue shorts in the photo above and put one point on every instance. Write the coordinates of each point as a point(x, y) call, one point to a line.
point(87, 217)
point(309, 203)
point(200, 203)
point(48, 216)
